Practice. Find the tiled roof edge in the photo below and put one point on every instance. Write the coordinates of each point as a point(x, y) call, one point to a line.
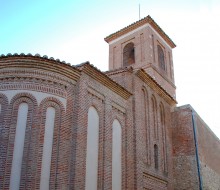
point(45, 57)
point(104, 79)
point(156, 86)
point(137, 24)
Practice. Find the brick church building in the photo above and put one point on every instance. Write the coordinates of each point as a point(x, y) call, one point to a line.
point(75, 127)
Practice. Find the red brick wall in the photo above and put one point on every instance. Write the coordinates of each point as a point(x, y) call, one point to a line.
point(146, 56)
point(27, 80)
point(70, 131)
point(184, 151)
point(103, 100)
point(209, 154)
point(144, 132)
point(184, 156)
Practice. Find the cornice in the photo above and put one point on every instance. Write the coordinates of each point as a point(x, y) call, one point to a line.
point(99, 76)
point(37, 62)
point(136, 25)
point(121, 70)
point(155, 86)
point(150, 65)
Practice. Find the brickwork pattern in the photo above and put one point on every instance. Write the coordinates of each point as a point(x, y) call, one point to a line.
point(148, 120)
point(158, 141)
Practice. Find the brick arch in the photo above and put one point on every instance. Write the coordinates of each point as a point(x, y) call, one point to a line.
point(154, 115)
point(53, 102)
point(11, 128)
point(59, 115)
point(24, 95)
point(145, 105)
point(80, 146)
point(92, 142)
point(95, 106)
point(153, 99)
point(162, 113)
point(164, 139)
point(119, 118)
point(117, 153)
point(122, 121)
point(145, 90)
point(116, 117)
point(128, 54)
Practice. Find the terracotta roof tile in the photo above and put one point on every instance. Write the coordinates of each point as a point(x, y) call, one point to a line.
point(137, 24)
point(38, 56)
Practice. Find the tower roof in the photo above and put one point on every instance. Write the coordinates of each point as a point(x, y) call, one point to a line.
point(136, 25)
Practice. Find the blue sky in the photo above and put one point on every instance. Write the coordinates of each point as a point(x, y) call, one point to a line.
point(74, 31)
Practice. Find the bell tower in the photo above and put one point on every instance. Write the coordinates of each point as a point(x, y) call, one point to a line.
point(144, 45)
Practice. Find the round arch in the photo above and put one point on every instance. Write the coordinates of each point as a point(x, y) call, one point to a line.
point(128, 54)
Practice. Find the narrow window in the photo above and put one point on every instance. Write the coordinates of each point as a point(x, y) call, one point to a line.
point(92, 149)
point(116, 155)
point(128, 54)
point(161, 57)
point(18, 146)
point(47, 148)
point(156, 156)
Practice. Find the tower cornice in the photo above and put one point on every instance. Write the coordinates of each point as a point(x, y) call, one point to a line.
point(135, 25)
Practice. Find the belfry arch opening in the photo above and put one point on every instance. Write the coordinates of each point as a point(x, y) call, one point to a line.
point(128, 54)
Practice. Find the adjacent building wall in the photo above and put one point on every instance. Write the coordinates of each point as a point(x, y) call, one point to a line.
point(192, 170)
point(184, 153)
point(209, 155)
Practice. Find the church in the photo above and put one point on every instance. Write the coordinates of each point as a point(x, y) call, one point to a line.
point(67, 127)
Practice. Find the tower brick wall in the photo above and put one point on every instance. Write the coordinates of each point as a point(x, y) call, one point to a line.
point(148, 131)
point(146, 40)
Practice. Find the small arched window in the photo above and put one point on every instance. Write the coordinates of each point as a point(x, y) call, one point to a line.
point(156, 156)
point(128, 54)
point(161, 57)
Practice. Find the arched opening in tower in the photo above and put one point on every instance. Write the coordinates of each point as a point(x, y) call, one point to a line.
point(128, 54)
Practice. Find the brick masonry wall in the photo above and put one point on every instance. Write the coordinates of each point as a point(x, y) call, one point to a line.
point(42, 89)
point(209, 155)
point(39, 89)
point(184, 152)
point(184, 159)
point(108, 105)
point(146, 56)
point(144, 133)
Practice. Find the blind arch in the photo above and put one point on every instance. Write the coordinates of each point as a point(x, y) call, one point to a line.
point(116, 155)
point(92, 149)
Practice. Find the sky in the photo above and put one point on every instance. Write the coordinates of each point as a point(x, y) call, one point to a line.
point(74, 31)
